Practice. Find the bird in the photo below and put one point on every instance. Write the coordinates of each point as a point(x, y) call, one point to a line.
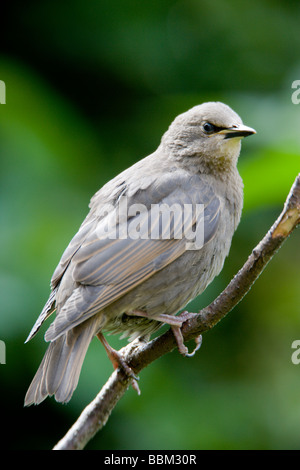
point(128, 272)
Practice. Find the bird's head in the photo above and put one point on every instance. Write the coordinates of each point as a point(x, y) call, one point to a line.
point(208, 135)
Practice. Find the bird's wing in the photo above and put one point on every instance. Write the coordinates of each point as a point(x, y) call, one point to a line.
point(48, 309)
point(100, 205)
point(96, 214)
point(106, 268)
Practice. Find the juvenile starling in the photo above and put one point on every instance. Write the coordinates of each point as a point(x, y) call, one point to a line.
point(129, 271)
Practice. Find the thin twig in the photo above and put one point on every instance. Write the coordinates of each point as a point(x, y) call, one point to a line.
point(139, 354)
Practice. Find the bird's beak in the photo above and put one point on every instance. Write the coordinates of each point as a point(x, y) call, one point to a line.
point(237, 131)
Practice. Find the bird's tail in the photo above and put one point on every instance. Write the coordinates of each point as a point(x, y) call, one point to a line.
point(60, 368)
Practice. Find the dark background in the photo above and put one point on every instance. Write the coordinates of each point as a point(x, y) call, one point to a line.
point(90, 89)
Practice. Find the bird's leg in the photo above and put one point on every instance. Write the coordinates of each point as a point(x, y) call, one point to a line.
point(118, 361)
point(176, 325)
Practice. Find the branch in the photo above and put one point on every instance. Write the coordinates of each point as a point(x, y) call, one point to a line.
point(139, 354)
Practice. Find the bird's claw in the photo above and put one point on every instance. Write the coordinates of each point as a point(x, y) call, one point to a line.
point(183, 317)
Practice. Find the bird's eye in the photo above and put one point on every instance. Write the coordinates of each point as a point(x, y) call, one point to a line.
point(209, 128)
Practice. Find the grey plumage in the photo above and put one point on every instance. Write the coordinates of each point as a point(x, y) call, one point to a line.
point(100, 281)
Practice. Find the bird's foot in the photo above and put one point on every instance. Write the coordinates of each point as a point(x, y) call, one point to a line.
point(183, 317)
point(175, 323)
point(118, 361)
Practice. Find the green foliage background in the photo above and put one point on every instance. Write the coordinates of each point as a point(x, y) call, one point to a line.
point(90, 88)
